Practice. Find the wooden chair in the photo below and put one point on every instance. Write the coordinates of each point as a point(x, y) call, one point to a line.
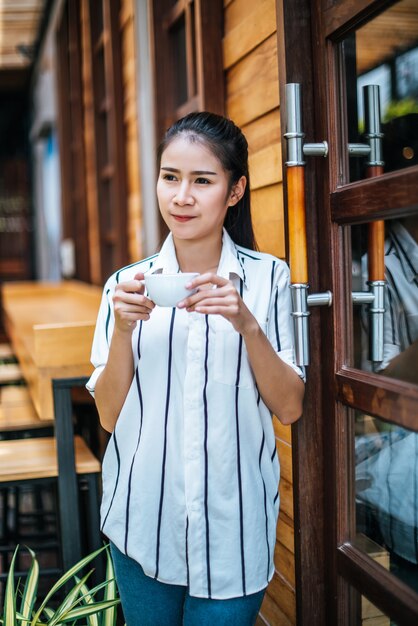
point(66, 461)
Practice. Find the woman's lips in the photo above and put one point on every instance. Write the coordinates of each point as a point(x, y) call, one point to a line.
point(183, 218)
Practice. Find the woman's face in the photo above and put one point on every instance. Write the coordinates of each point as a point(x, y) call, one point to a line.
point(193, 191)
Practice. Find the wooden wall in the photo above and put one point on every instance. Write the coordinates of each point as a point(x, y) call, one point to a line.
point(252, 101)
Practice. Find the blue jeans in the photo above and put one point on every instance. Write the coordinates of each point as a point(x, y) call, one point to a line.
point(147, 602)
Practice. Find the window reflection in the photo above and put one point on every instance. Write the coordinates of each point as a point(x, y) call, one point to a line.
point(400, 320)
point(379, 54)
point(386, 491)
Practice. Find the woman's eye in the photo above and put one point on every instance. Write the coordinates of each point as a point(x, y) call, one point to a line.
point(169, 177)
point(202, 181)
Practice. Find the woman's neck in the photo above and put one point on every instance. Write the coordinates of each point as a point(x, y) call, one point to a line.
point(195, 256)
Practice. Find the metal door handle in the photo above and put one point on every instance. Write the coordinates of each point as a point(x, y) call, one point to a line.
point(295, 177)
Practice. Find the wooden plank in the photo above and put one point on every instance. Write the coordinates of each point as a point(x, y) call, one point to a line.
point(256, 25)
point(252, 84)
point(74, 341)
point(281, 431)
point(285, 457)
point(286, 497)
point(272, 614)
point(285, 533)
point(284, 595)
point(26, 459)
point(263, 131)
point(266, 166)
point(268, 219)
point(284, 562)
point(234, 11)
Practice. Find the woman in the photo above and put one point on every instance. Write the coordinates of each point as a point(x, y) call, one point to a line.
point(191, 473)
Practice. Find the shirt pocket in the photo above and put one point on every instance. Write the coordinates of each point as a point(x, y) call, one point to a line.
point(231, 367)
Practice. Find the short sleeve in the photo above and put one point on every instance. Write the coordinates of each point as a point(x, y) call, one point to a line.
point(101, 339)
point(280, 323)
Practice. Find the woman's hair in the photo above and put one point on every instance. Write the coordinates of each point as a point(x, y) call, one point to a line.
point(227, 142)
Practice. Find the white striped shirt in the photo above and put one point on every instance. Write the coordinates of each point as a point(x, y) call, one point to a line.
point(190, 474)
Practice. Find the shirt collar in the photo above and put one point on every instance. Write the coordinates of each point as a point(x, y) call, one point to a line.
point(229, 263)
point(407, 250)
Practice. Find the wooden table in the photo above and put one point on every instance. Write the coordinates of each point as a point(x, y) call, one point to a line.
point(50, 326)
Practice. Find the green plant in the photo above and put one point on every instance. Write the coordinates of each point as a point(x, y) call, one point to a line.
point(400, 108)
point(79, 606)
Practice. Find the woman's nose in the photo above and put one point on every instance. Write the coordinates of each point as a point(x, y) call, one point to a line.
point(183, 194)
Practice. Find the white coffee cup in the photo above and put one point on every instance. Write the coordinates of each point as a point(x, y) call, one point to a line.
point(169, 289)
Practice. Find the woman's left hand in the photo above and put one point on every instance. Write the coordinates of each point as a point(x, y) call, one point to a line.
point(217, 295)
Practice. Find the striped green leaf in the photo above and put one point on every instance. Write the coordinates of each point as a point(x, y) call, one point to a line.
point(64, 579)
point(84, 611)
point(87, 598)
point(71, 599)
point(9, 613)
point(30, 591)
point(110, 616)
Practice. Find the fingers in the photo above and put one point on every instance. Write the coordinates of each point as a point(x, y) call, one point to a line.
point(208, 279)
point(224, 296)
point(130, 304)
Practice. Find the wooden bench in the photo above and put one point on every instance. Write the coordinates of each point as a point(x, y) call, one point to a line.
point(51, 327)
point(17, 413)
point(10, 373)
point(6, 352)
point(64, 460)
point(30, 459)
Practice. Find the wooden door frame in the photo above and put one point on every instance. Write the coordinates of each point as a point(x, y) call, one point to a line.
point(308, 446)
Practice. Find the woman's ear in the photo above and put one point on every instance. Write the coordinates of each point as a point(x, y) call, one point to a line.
point(237, 191)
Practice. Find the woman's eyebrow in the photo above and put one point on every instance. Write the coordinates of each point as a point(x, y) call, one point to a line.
point(195, 172)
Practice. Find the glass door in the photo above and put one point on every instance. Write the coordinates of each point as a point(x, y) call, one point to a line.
point(360, 80)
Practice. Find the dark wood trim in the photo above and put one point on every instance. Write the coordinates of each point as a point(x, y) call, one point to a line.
point(375, 198)
point(401, 604)
point(374, 394)
point(116, 132)
point(206, 84)
point(70, 131)
point(342, 16)
point(210, 74)
point(294, 41)
point(210, 89)
point(109, 133)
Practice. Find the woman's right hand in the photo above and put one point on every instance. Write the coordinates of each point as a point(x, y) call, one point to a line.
point(130, 304)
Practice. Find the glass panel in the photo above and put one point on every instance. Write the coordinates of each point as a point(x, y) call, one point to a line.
point(371, 615)
point(178, 47)
point(400, 317)
point(366, 613)
point(386, 494)
point(384, 52)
